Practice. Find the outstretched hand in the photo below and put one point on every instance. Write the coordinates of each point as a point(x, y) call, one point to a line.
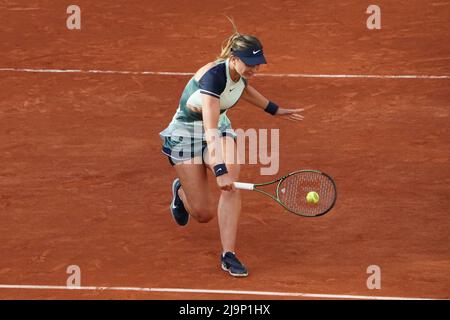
point(290, 114)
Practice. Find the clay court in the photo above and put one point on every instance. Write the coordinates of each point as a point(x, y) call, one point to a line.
point(83, 181)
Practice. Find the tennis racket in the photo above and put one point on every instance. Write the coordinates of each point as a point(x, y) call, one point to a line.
point(292, 190)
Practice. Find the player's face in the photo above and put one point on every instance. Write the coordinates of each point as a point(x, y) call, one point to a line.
point(245, 70)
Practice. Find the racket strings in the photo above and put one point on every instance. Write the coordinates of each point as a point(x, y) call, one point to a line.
point(294, 189)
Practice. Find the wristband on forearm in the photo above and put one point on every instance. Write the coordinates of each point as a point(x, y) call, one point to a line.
point(271, 108)
point(220, 169)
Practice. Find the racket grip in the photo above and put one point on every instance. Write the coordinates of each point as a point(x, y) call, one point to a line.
point(244, 186)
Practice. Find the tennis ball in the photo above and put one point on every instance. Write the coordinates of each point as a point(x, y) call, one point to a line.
point(312, 197)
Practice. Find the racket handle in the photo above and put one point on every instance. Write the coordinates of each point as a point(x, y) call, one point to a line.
point(244, 186)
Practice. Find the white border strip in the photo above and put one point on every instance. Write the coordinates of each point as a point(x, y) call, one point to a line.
point(365, 76)
point(206, 291)
point(288, 75)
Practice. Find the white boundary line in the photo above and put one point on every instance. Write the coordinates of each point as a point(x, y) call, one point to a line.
point(206, 291)
point(288, 75)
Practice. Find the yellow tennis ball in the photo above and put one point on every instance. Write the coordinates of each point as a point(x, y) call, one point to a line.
point(312, 197)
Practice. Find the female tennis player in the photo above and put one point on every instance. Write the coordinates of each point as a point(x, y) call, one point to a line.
point(200, 133)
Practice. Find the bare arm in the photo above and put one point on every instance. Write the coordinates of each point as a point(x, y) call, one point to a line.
point(211, 113)
point(252, 96)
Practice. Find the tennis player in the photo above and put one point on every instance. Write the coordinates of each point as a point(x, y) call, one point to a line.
point(215, 88)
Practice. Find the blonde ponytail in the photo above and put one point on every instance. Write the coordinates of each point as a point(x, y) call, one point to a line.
point(236, 41)
point(227, 44)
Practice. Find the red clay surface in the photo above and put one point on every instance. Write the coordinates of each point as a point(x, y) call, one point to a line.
point(83, 182)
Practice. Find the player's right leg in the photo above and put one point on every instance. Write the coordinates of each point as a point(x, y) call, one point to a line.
point(194, 191)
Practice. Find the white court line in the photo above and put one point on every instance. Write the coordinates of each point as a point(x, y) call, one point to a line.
point(206, 291)
point(288, 75)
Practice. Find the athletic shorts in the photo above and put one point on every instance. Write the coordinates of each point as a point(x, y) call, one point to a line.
point(180, 149)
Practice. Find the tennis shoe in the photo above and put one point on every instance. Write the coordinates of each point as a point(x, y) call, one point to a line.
point(232, 264)
point(179, 213)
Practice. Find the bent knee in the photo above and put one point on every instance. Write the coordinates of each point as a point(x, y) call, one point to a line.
point(204, 218)
point(202, 214)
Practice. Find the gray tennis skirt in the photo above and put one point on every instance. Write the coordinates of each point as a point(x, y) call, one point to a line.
point(183, 140)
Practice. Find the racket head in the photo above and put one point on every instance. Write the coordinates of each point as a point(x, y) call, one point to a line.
point(293, 188)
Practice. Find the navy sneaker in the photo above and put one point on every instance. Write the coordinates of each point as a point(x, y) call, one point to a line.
point(232, 264)
point(179, 213)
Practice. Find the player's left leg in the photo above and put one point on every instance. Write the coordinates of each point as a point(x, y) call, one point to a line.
point(229, 210)
point(229, 207)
